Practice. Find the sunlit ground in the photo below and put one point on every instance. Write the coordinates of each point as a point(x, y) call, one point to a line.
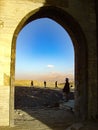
point(40, 84)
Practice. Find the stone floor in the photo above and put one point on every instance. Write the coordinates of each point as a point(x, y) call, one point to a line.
point(49, 119)
point(44, 119)
point(44, 109)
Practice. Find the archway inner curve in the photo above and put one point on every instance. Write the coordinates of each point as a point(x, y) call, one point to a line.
point(79, 43)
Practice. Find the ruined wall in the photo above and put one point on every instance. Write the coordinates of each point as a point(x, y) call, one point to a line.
point(11, 13)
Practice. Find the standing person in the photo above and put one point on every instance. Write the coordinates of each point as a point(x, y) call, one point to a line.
point(32, 83)
point(66, 89)
point(56, 84)
point(45, 84)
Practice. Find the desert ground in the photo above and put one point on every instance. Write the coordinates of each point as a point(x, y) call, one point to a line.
point(37, 84)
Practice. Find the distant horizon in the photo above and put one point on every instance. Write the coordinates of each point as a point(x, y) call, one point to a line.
point(44, 51)
point(48, 79)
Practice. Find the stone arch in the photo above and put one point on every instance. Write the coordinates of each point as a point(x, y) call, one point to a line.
point(80, 49)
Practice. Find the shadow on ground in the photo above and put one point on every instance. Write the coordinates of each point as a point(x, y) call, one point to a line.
point(41, 106)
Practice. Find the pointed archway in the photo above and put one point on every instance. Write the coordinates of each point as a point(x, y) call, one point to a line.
point(79, 43)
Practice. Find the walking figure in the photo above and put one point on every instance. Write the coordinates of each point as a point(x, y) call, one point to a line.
point(45, 84)
point(66, 89)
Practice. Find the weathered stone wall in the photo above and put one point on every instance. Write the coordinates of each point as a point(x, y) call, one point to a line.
point(4, 105)
point(84, 13)
point(11, 13)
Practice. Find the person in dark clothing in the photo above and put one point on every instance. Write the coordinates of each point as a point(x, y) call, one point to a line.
point(56, 84)
point(45, 84)
point(66, 89)
point(32, 83)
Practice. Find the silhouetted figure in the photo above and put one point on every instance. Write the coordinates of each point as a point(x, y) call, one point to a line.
point(56, 84)
point(66, 89)
point(45, 84)
point(32, 83)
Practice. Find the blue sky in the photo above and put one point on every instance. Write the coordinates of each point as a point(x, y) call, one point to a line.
point(44, 51)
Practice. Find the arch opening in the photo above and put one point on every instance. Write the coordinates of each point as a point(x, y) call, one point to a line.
point(79, 43)
point(44, 52)
point(52, 46)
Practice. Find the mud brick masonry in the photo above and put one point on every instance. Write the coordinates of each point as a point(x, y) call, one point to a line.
point(80, 19)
